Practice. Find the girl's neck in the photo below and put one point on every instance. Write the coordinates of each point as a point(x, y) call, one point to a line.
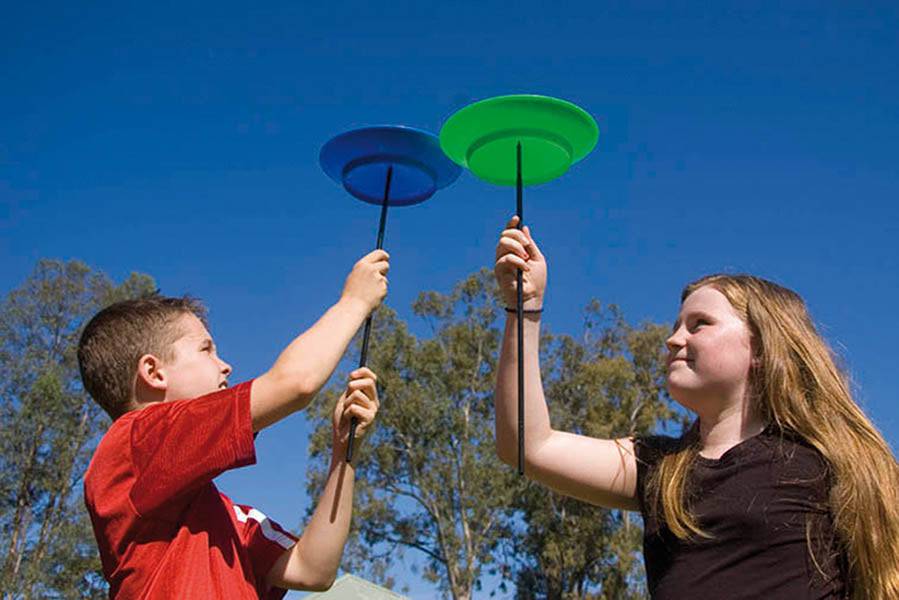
point(721, 431)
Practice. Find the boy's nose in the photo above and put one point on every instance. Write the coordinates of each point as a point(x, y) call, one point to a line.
point(226, 368)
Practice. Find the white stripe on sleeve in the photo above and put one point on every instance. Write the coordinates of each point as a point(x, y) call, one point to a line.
point(265, 525)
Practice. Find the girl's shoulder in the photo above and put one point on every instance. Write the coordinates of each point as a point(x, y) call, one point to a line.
point(796, 455)
point(649, 449)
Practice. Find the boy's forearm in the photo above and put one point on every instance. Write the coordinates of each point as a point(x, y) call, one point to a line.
point(311, 358)
point(306, 364)
point(537, 424)
point(312, 563)
point(325, 535)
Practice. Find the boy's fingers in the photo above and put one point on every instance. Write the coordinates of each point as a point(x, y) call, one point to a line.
point(512, 222)
point(363, 372)
point(376, 255)
point(515, 234)
point(507, 245)
point(365, 416)
point(512, 262)
point(358, 384)
point(360, 398)
point(366, 387)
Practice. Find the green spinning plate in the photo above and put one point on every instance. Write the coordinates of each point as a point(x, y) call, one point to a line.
point(554, 134)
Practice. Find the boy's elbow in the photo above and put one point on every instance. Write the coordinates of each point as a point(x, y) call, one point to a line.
point(298, 386)
point(309, 582)
point(322, 584)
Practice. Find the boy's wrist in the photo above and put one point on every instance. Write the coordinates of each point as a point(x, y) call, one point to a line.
point(356, 306)
point(338, 451)
point(531, 304)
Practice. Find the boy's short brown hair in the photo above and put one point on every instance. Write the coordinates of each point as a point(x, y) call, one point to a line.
point(114, 340)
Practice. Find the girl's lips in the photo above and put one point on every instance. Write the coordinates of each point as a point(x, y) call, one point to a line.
point(679, 360)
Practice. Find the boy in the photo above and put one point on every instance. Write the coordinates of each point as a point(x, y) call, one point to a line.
point(163, 529)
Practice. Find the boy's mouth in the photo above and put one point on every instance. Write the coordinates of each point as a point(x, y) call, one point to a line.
point(223, 385)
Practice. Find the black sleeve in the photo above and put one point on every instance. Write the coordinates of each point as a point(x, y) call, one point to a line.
point(649, 450)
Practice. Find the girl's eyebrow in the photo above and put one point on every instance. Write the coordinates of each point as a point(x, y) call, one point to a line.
point(692, 314)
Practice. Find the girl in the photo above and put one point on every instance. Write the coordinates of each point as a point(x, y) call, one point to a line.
point(782, 488)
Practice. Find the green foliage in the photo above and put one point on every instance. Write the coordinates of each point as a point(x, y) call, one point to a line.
point(429, 479)
point(49, 429)
point(609, 384)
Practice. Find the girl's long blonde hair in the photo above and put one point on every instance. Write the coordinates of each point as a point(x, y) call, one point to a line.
point(799, 389)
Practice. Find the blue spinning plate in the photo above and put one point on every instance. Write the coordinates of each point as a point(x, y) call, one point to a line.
point(359, 159)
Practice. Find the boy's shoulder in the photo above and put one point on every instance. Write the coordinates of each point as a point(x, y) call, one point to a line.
point(112, 458)
point(112, 452)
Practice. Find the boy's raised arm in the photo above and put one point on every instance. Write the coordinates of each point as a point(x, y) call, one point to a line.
point(312, 563)
point(307, 363)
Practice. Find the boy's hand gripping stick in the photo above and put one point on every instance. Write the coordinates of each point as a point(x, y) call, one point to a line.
point(387, 165)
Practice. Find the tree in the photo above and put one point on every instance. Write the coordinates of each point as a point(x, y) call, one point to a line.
point(50, 427)
point(429, 479)
point(609, 384)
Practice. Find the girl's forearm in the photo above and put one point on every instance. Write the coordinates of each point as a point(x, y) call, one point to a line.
point(537, 423)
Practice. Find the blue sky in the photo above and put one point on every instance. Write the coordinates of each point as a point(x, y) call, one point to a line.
point(181, 140)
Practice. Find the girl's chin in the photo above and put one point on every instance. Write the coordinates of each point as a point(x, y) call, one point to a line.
point(685, 395)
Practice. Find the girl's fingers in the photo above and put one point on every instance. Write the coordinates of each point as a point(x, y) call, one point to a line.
point(531, 245)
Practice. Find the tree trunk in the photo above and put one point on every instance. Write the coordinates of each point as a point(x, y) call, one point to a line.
point(59, 498)
point(13, 559)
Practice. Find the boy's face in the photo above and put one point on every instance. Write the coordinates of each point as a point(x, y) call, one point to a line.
point(195, 369)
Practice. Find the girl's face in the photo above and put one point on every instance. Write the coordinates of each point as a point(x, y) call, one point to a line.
point(709, 353)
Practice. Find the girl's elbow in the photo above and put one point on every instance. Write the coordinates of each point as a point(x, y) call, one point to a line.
point(506, 451)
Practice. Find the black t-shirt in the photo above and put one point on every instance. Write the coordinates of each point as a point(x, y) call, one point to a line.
point(759, 502)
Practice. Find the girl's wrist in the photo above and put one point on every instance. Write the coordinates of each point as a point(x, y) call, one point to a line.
point(524, 311)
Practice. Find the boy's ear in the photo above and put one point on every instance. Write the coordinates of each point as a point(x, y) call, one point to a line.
point(150, 373)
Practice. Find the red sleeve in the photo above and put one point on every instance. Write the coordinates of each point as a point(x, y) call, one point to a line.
point(265, 542)
point(177, 447)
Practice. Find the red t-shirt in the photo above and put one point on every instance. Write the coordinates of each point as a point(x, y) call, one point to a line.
point(163, 529)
